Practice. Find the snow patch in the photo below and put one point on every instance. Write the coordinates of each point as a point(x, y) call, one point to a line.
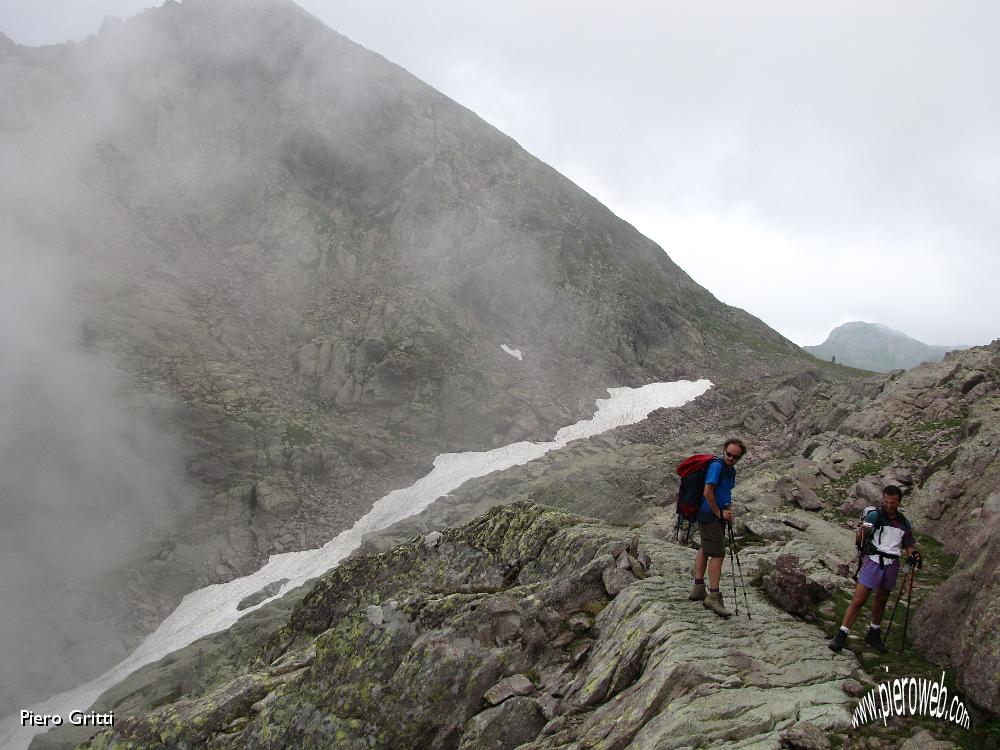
point(214, 608)
point(515, 353)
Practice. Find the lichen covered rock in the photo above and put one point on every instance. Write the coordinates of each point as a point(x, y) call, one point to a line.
point(504, 634)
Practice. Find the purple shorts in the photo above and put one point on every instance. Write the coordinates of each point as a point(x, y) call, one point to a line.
point(873, 577)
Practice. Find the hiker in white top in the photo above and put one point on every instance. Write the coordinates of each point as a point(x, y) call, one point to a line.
point(884, 535)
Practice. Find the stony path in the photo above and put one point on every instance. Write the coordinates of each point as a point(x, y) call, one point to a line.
point(667, 673)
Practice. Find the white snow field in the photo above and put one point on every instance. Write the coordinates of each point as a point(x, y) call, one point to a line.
point(515, 353)
point(213, 608)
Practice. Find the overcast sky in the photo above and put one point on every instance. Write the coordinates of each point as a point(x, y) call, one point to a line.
point(810, 162)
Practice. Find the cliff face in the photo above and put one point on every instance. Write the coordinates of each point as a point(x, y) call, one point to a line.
point(301, 263)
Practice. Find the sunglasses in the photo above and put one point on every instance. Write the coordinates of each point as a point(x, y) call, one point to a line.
point(735, 458)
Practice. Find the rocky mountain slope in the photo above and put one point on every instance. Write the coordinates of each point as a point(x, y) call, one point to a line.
point(532, 627)
point(873, 346)
point(299, 264)
point(521, 627)
point(825, 447)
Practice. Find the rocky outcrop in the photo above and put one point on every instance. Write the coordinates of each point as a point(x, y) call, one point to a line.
point(504, 633)
point(805, 736)
point(932, 431)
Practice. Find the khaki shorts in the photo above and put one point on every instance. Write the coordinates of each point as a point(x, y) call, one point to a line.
point(713, 538)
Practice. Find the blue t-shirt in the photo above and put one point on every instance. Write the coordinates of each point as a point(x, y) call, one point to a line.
point(724, 480)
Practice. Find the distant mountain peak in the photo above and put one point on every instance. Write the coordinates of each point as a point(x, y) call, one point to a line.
point(876, 346)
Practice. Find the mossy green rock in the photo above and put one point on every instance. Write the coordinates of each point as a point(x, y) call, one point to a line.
point(399, 649)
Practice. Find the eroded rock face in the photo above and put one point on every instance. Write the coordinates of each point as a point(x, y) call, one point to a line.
point(413, 647)
point(504, 727)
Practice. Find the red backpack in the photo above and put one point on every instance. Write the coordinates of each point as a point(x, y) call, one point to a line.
point(692, 471)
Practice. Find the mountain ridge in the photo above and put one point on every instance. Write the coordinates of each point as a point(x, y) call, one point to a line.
point(876, 347)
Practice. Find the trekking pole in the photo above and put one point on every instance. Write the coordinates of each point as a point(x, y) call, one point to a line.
point(732, 572)
point(732, 540)
point(909, 598)
point(896, 604)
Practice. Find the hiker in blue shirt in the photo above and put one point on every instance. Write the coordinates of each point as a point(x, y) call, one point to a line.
point(713, 515)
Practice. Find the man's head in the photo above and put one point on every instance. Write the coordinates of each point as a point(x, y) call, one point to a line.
point(891, 495)
point(733, 450)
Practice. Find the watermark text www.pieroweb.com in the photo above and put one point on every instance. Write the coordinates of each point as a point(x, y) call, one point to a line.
point(910, 696)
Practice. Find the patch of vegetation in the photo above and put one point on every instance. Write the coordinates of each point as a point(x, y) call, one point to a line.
point(828, 492)
point(941, 424)
point(907, 450)
point(862, 469)
point(296, 434)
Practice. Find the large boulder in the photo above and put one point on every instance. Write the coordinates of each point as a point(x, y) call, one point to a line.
point(789, 587)
point(504, 727)
point(805, 736)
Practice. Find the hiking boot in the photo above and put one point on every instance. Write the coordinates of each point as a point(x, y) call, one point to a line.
point(698, 592)
point(839, 640)
point(874, 639)
point(713, 601)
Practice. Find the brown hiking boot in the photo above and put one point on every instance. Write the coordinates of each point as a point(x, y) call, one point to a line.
point(698, 592)
point(713, 601)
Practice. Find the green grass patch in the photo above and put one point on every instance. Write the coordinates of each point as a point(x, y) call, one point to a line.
point(953, 423)
point(296, 434)
point(862, 469)
point(828, 492)
point(909, 451)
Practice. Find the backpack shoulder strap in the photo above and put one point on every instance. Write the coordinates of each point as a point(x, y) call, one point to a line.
point(715, 460)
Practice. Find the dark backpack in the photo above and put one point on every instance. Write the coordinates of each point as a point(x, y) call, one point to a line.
point(692, 471)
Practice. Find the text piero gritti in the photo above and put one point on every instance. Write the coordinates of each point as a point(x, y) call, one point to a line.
point(75, 718)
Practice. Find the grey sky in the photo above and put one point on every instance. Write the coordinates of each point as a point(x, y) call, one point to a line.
point(810, 162)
